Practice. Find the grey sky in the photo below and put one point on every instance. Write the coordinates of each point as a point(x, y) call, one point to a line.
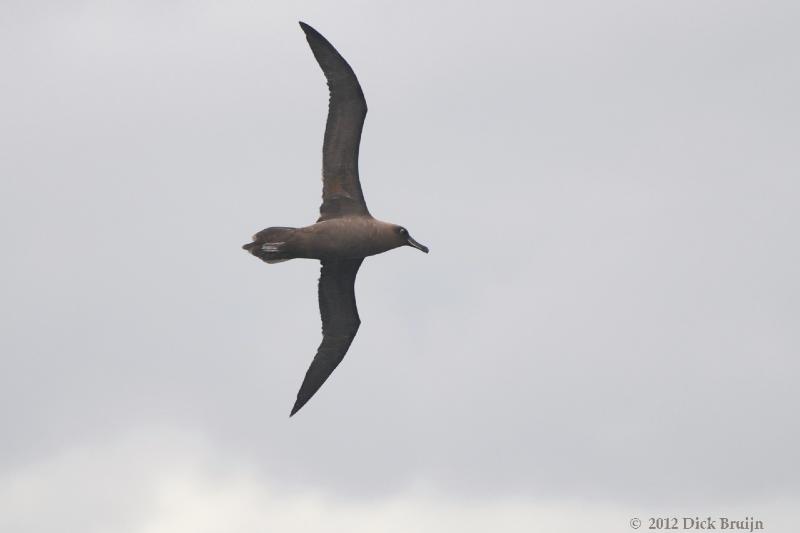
point(610, 193)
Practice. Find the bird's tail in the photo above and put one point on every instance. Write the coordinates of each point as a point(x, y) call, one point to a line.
point(271, 245)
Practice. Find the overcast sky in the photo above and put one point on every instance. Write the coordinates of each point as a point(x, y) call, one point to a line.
point(606, 326)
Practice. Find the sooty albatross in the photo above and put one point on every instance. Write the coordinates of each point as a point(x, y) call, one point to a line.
point(345, 232)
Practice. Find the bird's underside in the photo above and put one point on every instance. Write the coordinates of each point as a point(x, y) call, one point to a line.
point(345, 232)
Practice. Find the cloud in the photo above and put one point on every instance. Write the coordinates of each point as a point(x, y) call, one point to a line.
point(157, 480)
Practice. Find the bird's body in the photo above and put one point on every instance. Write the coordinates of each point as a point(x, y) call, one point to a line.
point(345, 232)
point(336, 238)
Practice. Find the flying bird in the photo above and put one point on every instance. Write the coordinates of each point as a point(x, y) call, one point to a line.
point(345, 232)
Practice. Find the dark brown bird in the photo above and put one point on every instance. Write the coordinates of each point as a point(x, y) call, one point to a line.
point(345, 232)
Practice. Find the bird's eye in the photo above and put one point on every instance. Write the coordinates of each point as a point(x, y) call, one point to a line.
point(402, 231)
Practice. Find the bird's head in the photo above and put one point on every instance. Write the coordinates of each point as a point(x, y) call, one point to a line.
point(403, 238)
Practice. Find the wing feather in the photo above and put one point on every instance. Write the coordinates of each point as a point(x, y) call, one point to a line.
point(347, 108)
point(340, 322)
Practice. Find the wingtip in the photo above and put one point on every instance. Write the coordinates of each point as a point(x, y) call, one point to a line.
point(311, 32)
point(296, 408)
point(299, 403)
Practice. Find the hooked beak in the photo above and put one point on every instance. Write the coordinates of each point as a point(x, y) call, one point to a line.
point(415, 244)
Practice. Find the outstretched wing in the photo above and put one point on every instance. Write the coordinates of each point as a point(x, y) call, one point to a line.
point(337, 305)
point(341, 189)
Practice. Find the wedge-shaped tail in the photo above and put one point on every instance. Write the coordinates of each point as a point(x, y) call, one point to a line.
point(271, 245)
